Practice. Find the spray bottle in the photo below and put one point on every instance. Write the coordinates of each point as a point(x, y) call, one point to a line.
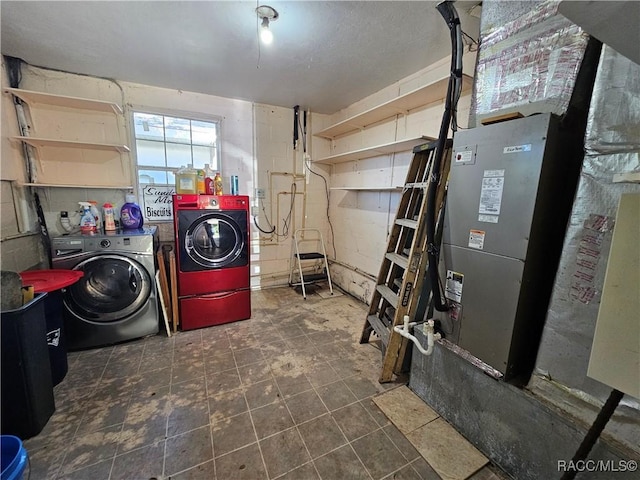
point(87, 220)
point(96, 214)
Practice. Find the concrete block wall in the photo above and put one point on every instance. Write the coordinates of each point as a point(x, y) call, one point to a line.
point(257, 140)
point(364, 217)
point(20, 246)
point(19, 250)
point(282, 173)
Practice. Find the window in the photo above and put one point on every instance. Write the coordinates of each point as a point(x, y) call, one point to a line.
point(166, 143)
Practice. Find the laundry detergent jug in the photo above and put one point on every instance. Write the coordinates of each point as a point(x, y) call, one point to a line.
point(130, 214)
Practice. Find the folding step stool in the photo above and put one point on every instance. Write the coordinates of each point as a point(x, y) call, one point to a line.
point(313, 256)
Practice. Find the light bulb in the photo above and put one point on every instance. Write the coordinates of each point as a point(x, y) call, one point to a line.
point(266, 36)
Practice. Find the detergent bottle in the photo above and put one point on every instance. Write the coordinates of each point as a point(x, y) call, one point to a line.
point(87, 220)
point(109, 220)
point(130, 214)
point(186, 180)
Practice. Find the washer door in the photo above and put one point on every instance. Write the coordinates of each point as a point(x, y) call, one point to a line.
point(214, 240)
point(113, 288)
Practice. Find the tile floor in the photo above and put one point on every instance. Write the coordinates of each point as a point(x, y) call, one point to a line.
point(284, 395)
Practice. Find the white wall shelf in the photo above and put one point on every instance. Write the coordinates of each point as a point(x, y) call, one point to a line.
point(93, 187)
point(32, 98)
point(402, 104)
point(384, 149)
point(366, 189)
point(68, 137)
point(49, 142)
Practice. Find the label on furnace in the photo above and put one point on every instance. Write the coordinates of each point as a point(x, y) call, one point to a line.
point(491, 192)
point(476, 239)
point(453, 286)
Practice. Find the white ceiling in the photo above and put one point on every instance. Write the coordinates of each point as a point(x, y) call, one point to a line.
point(325, 55)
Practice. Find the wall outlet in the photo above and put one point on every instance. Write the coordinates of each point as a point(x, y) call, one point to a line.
point(255, 211)
point(260, 193)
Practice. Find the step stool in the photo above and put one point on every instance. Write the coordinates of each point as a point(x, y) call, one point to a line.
point(309, 263)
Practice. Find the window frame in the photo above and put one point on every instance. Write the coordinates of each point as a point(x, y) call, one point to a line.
point(182, 114)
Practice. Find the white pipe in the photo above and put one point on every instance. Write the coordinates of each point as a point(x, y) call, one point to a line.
point(428, 331)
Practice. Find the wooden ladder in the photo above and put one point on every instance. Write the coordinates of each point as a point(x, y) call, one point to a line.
point(403, 266)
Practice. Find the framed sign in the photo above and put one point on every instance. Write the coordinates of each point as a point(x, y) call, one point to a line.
point(158, 203)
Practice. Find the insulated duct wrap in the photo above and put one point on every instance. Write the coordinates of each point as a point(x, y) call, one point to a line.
point(532, 59)
point(612, 146)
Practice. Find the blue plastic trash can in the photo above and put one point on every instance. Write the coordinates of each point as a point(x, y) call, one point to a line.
point(14, 457)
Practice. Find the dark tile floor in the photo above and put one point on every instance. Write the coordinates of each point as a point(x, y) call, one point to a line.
point(286, 394)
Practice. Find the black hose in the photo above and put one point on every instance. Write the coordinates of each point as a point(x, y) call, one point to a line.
point(448, 12)
point(296, 113)
point(594, 432)
point(44, 231)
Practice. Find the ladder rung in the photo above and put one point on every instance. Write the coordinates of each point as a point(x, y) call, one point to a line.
point(309, 256)
point(406, 246)
point(309, 279)
point(379, 327)
point(398, 259)
point(314, 277)
point(417, 185)
point(388, 295)
point(405, 222)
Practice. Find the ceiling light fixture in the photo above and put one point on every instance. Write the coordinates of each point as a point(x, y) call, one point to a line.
point(267, 14)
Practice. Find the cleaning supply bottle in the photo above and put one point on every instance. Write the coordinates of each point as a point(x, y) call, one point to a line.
point(186, 180)
point(208, 180)
point(87, 220)
point(109, 220)
point(200, 181)
point(208, 186)
point(130, 214)
point(217, 184)
point(96, 214)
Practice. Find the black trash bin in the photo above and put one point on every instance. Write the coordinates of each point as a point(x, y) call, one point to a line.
point(27, 389)
point(52, 282)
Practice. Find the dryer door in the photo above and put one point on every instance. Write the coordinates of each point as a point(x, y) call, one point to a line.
point(113, 288)
point(213, 240)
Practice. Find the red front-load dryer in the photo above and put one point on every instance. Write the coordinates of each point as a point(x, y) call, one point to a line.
point(212, 256)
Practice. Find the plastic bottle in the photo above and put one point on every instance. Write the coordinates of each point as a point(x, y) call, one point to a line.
point(234, 184)
point(200, 184)
point(186, 181)
point(208, 186)
point(109, 220)
point(217, 184)
point(87, 220)
point(95, 211)
point(208, 180)
point(130, 214)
